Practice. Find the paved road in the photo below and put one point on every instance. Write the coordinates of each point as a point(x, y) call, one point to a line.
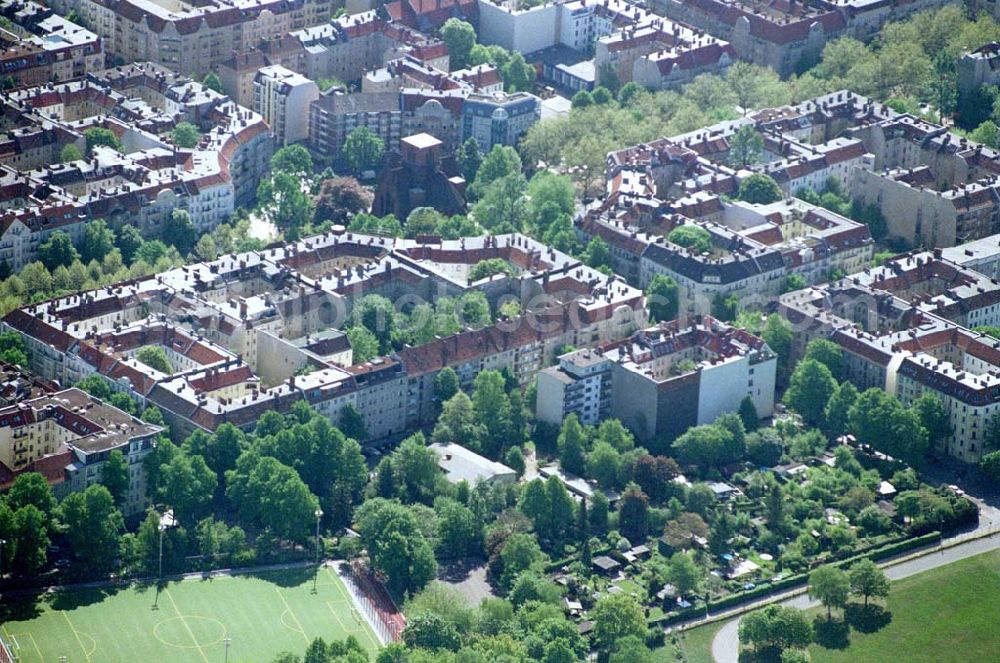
point(725, 646)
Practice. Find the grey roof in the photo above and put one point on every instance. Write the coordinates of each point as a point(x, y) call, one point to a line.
point(460, 464)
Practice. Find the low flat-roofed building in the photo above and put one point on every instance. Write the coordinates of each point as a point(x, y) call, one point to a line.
point(460, 464)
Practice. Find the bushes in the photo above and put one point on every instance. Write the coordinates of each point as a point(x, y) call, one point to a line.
point(766, 589)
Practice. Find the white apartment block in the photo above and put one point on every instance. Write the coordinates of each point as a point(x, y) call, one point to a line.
point(282, 97)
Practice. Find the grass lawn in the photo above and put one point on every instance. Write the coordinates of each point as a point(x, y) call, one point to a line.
point(263, 614)
point(951, 613)
point(695, 644)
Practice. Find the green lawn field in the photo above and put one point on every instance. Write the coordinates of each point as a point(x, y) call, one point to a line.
point(696, 643)
point(262, 614)
point(951, 613)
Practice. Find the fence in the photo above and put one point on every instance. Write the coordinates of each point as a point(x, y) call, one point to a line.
point(374, 600)
point(6, 655)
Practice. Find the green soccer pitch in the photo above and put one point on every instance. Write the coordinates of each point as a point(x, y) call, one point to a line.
point(262, 614)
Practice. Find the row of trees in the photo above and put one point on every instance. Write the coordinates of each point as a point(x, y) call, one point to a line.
point(874, 416)
point(779, 632)
point(376, 327)
point(463, 51)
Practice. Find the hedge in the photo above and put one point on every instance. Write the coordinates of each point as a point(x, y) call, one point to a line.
point(796, 580)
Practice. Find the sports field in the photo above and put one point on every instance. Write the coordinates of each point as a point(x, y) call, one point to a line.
point(262, 614)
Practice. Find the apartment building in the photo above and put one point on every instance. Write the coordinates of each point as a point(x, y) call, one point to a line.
point(67, 436)
point(141, 186)
point(787, 36)
point(755, 248)
point(192, 39)
point(262, 330)
point(282, 97)
point(662, 380)
point(904, 327)
point(37, 46)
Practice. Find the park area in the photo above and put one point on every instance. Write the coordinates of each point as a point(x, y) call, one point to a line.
point(261, 615)
point(947, 614)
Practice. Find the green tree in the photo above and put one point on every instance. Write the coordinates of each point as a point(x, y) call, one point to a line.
point(285, 203)
point(458, 422)
point(155, 357)
point(518, 75)
point(878, 419)
point(70, 152)
point(684, 573)
point(692, 237)
point(754, 86)
point(416, 468)
point(493, 409)
point(662, 298)
point(986, 133)
point(944, 84)
point(775, 626)
point(115, 476)
point(30, 541)
point(489, 267)
point(31, 489)
point(364, 344)
point(12, 349)
point(582, 99)
point(838, 408)
point(94, 527)
point(220, 449)
point(572, 445)
point(499, 162)
point(827, 353)
point(57, 250)
point(431, 631)
point(377, 314)
point(748, 414)
point(459, 531)
point(187, 484)
point(268, 492)
point(617, 616)
point(96, 136)
point(933, 417)
point(633, 514)
point(212, 82)
point(363, 150)
point(470, 157)
point(746, 147)
point(185, 135)
point(990, 465)
point(704, 446)
point(810, 389)
point(446, 384)
point(292, 159)
point(868, 580)
point(396, 545)
point(520, 553)
point(353, 423)
point(459, 37)
point(98, 241)
point(503, 206)
point(179, 232)
point(830, 586)
point(550, 195)
point(129, 241)
point(760, 189)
